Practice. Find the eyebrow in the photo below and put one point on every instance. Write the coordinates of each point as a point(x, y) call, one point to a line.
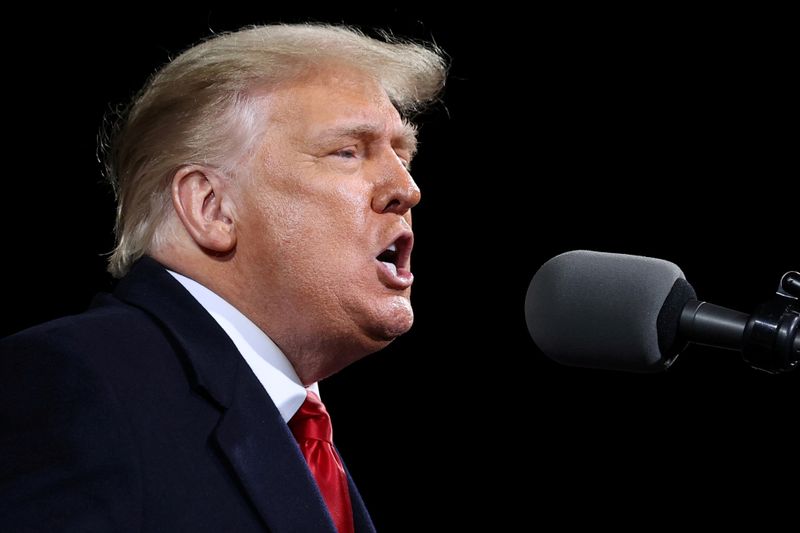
point(407, 134)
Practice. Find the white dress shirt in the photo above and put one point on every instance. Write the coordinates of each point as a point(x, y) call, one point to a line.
point(270, 366)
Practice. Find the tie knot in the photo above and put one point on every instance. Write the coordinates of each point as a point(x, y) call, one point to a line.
point(312, 421)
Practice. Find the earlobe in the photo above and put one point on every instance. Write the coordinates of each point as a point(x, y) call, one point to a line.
point(198, 195)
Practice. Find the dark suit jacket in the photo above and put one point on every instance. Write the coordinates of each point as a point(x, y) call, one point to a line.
point(140, 415)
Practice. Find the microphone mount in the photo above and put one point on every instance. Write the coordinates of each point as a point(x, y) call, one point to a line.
point(772, 334)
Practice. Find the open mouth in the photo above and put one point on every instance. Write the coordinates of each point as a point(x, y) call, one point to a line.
point(389, 256)
point(395, 262)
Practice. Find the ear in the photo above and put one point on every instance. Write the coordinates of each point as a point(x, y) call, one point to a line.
point(199, 195)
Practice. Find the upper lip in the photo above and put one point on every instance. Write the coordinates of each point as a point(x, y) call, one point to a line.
point(404, 242)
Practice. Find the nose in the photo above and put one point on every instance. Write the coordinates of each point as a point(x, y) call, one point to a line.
point(396, 192)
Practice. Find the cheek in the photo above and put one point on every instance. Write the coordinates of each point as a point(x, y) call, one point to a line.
point(338, 220)
point(350, 203)
point(313, 225)
point(272, 228)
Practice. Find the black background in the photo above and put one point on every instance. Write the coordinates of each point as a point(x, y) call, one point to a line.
point(662, 132)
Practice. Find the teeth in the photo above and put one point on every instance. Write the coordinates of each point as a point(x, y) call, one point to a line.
point(392, 267)
point(392, 247)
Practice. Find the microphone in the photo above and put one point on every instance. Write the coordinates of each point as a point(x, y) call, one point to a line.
point(626, 312)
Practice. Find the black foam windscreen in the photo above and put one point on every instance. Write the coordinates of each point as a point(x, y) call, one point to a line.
point(601, 310)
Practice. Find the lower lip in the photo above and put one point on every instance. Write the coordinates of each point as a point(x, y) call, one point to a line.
point(400, 281)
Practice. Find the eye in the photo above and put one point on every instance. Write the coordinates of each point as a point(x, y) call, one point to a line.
point(346, 153)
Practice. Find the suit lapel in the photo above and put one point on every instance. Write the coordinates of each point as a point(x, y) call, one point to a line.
point(263, 453)
point(251, 434)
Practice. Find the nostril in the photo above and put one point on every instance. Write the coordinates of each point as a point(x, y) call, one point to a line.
point(392, 206)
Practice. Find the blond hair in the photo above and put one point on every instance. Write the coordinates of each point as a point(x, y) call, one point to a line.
point(198, 110)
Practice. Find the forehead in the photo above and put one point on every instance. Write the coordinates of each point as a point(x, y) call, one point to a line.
point(331, 98)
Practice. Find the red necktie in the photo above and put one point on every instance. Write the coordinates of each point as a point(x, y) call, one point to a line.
point(311, 426)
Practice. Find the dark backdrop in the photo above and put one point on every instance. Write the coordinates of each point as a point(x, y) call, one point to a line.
point(663, 133)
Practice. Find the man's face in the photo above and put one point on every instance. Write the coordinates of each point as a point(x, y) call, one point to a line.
point(324, 232)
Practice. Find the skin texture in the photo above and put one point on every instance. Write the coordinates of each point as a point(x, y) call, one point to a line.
point(292, 241)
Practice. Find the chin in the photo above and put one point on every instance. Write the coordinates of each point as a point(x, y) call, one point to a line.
point(391, 322)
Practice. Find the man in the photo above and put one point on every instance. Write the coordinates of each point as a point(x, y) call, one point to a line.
point(263, 241)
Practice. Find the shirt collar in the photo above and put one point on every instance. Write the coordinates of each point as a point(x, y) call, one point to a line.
point(263, 356)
